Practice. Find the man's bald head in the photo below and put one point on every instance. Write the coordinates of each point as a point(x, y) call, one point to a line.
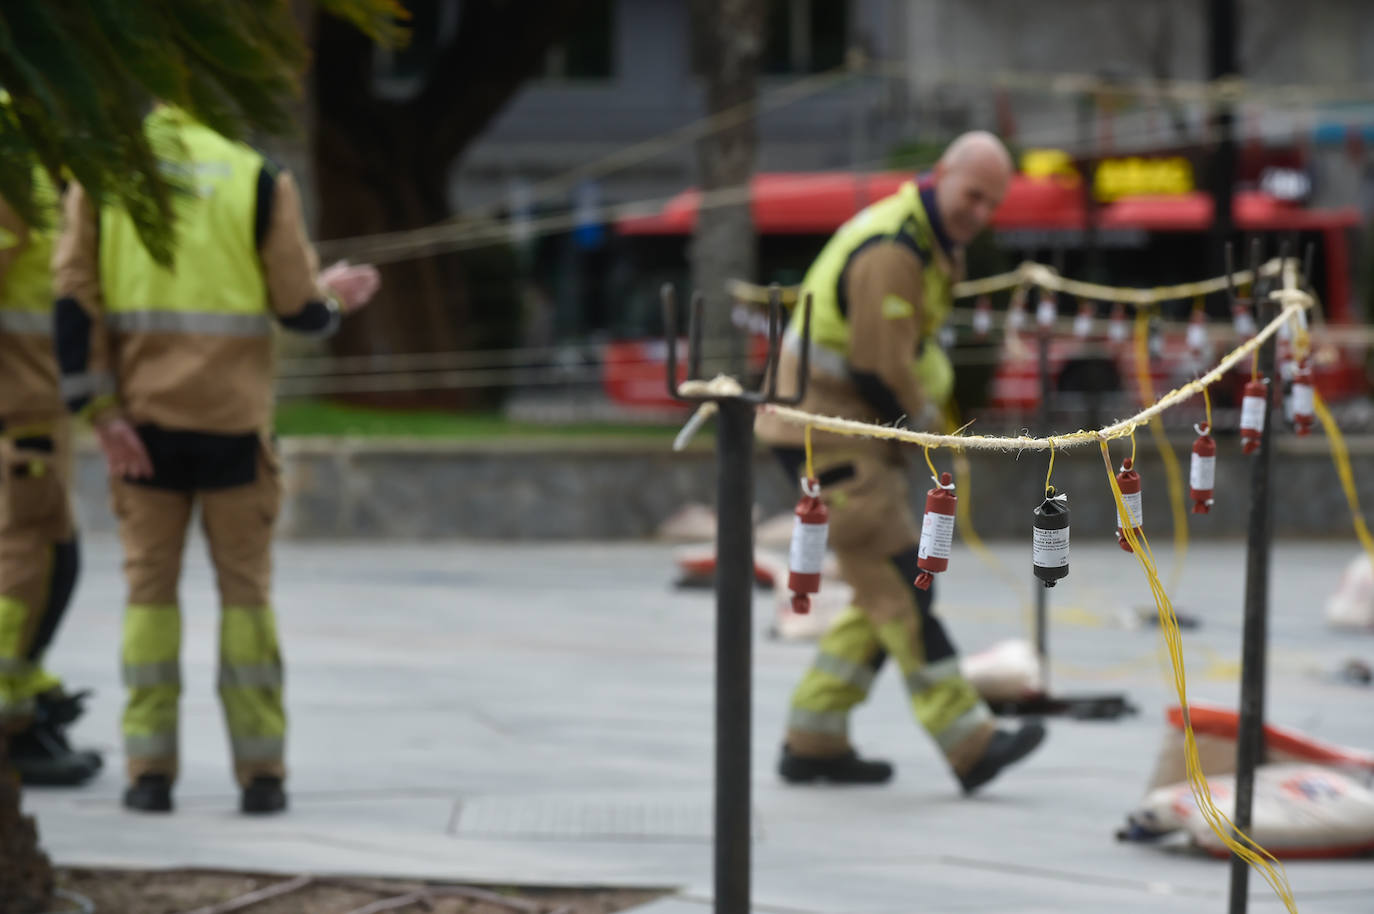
point(971, 179)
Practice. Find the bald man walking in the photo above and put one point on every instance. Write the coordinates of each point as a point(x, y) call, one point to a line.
point(880, 289)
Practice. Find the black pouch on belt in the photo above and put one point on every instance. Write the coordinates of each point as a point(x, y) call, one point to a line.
point(187, 461)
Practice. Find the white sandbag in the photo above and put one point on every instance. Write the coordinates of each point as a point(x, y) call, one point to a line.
point(776, 532)
point(1007, 671)
point(696, 566)
point(1352, 605)
point(1164, 811)
point(690, 523)
point(770, 565)
point(1214, 729)
point(834, 597)
point(1299, 811)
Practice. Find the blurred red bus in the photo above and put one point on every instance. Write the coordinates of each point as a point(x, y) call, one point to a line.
point(1139, 241)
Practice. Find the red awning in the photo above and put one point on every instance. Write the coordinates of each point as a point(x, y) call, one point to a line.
point(818, 203)
point(1254, 211)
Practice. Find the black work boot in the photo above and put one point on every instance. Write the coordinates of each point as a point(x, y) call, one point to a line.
point(1005, 748)
point(60, 707)
point(42, 757)
point(150, 793)
point(838, 769)
point(263, 795)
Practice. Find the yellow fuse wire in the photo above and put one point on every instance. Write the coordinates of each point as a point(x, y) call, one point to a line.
point(1235, 840)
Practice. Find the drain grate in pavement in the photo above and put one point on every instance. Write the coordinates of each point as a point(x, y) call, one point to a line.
point(585, 819)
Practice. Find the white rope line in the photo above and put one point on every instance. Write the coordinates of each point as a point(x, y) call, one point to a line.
point(1294, 302)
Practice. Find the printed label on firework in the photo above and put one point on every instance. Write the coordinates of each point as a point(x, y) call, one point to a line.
point(1197, 336)
point(1050, 548)
point(937, 531)
point(1046, 312)
point(808, 548)
point(1252, 413)
point(1303, 400)
point(1202, 475)
point(1132, 501)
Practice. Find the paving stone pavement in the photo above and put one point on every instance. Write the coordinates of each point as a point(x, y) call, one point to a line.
point(543, 714)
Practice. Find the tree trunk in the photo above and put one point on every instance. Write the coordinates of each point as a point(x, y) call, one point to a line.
point(26, 877)
point(729, 45)
point(368, 190)
point(294, 151)
point(382, 165)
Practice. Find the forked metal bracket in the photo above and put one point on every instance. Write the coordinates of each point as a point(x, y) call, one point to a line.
point(777, 318)
point(1249, 301)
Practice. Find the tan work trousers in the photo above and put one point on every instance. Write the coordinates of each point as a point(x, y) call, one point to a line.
point(238, 523)
point(38, 561)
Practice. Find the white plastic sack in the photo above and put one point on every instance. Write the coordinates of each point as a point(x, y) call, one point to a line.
point(1352, 605)
point(776, 532)
point(1007, 671)
point(1299, 811)
point(1215, 727)
point(697, 565)
point(690, 523)
point(834, 597)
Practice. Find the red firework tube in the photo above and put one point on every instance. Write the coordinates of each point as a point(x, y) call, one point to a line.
point(1128, 480)
point(1202, 473)
point(810, 528)
point(937, 531)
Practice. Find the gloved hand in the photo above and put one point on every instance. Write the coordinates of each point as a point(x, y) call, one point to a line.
point(353, 286)
point(125, 454)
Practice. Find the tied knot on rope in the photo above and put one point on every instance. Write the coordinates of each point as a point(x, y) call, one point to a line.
point(1287, 297)
point(1037, 274)
point(721, 386)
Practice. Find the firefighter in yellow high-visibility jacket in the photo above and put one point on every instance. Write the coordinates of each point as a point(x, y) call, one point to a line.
point(174, 367)
point(880, 289)
point(39, 554)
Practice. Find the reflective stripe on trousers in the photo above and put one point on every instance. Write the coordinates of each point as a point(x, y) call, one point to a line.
point(850, 655)
point(839, 678)
point(151, 670)
point(250, 685)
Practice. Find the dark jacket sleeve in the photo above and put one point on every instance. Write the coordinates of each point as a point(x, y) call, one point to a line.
point(289, 262)
point(79, 333)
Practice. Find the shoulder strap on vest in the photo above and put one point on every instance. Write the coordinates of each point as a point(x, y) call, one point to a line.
point(908, 236)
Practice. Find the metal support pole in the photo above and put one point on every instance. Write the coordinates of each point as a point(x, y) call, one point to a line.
point(1042, 593)
point(1222, 62)
point(734, 576)
point(734, 646)
point(1042, 637)
point(1250, 735)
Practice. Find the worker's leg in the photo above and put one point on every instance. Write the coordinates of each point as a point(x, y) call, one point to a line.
point(945, 703)
point(854, 484)
point(66, 552)
point(152, 528)
point(839, 679)
point(32, 512)
point(38, 567)
point(238, 524)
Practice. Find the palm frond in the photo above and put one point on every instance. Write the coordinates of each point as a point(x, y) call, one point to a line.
point(81, 76)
